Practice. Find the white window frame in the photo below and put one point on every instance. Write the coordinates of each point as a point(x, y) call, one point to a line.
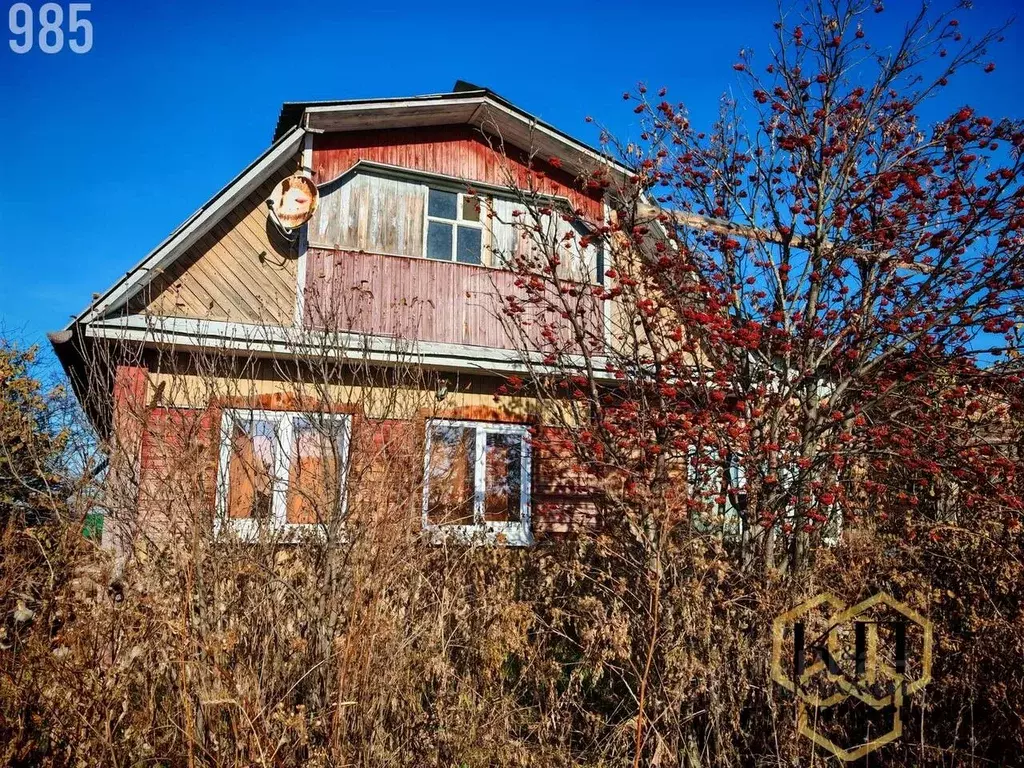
point(249, 529)
point(454, 223)
point(513, 534)
point(721, 478)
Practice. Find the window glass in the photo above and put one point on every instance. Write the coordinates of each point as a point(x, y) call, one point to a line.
point(477, 481)
point(280, 471)
point(439, 241)
point(503, 478)
point(251, 470)
point(442, 204)
point(451, 482)
point(469, 245)
point(314, 474)
point(470, 208)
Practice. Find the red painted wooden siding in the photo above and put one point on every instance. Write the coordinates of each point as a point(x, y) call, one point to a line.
point(459, 151)
point(178, 475)
point(425, 300)
point(178, 461)
point(415, 298)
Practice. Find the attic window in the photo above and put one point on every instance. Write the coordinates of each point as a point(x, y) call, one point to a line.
point(453, 231)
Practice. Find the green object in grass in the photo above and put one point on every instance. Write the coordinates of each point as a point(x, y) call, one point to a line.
point(93, 526)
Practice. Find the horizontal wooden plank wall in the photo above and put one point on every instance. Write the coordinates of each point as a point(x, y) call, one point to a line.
point(237, 272)
point(424, 300)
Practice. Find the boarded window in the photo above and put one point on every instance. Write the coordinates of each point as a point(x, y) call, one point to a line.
point(542, 239)
point(252, 469)
point(451, 470)
point(371, 213)
point(503, 477)
point(471, 206)
point(315, 473)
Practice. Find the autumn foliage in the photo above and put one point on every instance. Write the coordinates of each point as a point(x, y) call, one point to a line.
point(807, 379)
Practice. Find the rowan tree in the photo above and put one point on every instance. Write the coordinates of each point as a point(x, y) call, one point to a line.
point(809, 295)
point(800, 376)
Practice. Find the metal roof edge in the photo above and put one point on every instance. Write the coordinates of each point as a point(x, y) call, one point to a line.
point(191, 228)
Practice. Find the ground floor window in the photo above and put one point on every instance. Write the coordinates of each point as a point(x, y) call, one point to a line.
point(477, 481)
point(722, 485)
point(280, 472)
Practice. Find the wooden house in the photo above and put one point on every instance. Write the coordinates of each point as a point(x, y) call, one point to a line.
point(254, 382)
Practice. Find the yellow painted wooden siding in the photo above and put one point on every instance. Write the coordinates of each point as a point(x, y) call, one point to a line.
point(240, 271)
point(377, 402)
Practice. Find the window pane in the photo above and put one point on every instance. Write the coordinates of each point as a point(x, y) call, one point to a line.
point(470, 208)
point(251, 470)
point(315, 472)
point(442, 204)
point(503, 478)
point(469, 245)
point(450, 489)
point(590, 259)
point(439, 241)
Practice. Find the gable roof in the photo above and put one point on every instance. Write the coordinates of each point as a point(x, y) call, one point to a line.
point(466, 104)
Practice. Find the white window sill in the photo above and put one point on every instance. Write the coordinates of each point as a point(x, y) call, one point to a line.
point(489, 534)
point(251, 531)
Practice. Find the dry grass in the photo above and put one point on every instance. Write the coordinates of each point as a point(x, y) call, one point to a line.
point(407, 654)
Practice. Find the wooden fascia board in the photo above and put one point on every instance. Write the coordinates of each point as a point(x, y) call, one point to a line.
point(354, 116)
point(187, 334)
point(193, 228)
point(565, 144)
point(393, 104)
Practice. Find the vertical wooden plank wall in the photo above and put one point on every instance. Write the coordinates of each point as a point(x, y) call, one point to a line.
point(458, 151)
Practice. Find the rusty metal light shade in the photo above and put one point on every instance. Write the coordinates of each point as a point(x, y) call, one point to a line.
point(293, 201)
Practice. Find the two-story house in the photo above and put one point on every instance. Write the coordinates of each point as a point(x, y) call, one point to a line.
point(254, 381)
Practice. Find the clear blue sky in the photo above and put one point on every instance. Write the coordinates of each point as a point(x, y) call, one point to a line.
point(103, 154)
